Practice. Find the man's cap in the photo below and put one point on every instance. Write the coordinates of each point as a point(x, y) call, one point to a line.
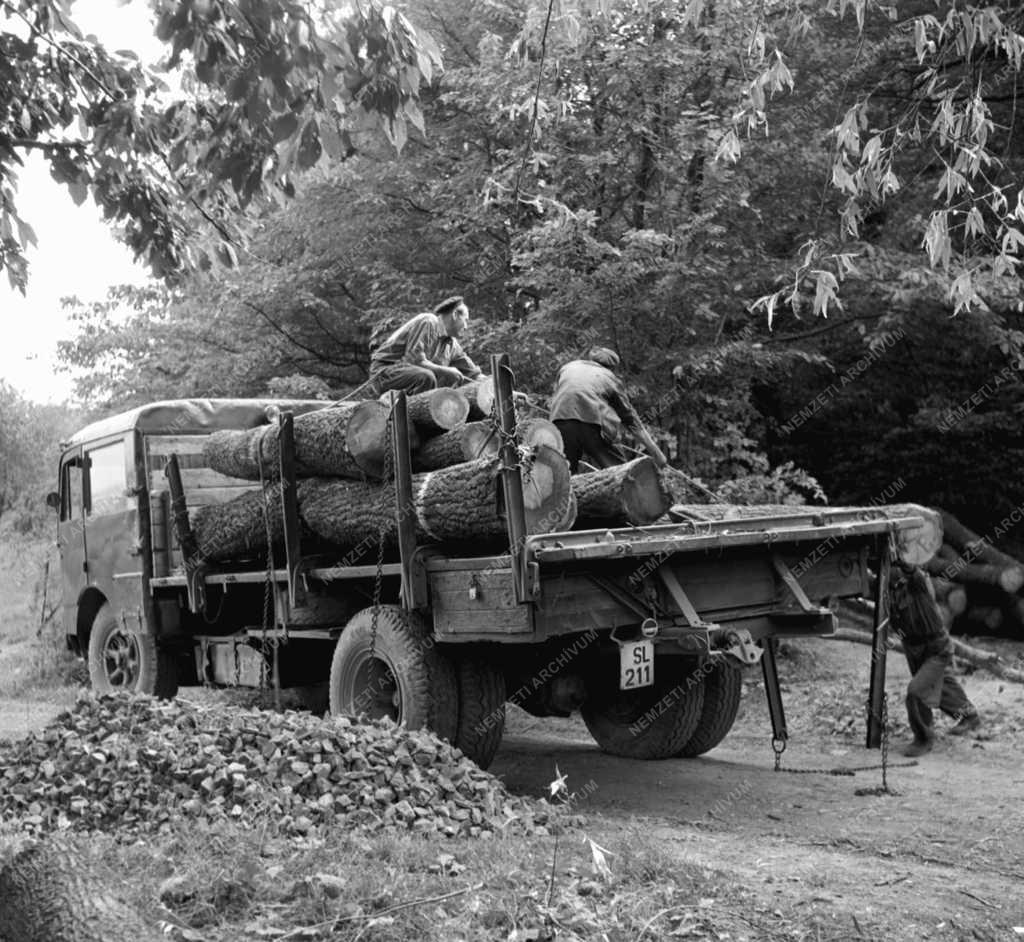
point(604, 356)
point(449, 304)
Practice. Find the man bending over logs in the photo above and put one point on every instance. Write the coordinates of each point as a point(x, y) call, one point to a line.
point(590, 407)
point(424, 353)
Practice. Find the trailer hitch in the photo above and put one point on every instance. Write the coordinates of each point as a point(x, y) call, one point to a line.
point(742, 646)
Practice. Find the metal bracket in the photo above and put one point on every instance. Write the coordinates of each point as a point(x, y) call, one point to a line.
point(742, 646)
point(679, 596)
point(794, 587)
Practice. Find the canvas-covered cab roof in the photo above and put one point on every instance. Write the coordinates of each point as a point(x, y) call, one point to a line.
point(190, 417)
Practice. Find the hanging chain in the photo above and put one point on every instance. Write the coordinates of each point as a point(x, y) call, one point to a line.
point(385, 508)
point(268, 593)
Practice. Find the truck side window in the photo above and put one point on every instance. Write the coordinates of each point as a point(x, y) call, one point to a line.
point(71, 491)
point(106, 479)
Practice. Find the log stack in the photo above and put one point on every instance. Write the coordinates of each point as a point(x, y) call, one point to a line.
point(978, 586)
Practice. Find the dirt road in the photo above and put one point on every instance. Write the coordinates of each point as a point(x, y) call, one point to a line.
point(943, 858)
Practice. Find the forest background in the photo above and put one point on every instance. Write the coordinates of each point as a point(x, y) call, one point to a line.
point(799, 225)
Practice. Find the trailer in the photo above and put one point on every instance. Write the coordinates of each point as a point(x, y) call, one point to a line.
point(644, 630)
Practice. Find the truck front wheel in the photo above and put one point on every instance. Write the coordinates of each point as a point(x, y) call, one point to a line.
point(123, 660)
point(653, 722)
point(405, 678)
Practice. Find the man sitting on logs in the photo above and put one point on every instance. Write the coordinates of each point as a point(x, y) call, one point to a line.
point(424, 353)
point(590, 407)
point(916, 620)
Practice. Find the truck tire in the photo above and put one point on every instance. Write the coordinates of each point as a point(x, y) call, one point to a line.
point(650, 723)
point(125, 661)
point(723, 687)
point(481, 709)
point(407, 679)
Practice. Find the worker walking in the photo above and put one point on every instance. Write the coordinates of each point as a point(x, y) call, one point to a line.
point(916, 620)
point(424, 353)
point(590, 407)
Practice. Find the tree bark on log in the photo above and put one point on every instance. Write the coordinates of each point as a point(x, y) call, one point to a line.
point(972, 546)
point(630, 493)
point(480, 396)
point(457, 504)
point(472, 441)
point(480, 440)
point(346, 439)
point(238, 528)
point(49, 894)
point(437, 410)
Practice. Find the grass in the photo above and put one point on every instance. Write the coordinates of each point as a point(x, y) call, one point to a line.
point(228, 884)
point(33, 655)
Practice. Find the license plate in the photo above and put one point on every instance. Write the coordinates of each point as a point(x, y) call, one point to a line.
point(636, 664)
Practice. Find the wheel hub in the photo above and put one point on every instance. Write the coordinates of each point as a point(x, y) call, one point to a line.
point(121, 659)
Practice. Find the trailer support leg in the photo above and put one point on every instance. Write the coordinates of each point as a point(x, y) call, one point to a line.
point(776, 711)
point(879, 648)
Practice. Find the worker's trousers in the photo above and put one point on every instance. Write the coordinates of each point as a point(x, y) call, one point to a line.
point(932, 687)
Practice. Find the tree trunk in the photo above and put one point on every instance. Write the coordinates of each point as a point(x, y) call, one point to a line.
point(630, 493)
point(238, 528)
point(49, 894)
point(948, 565)
point(953, 596)
point(456, 504)
point(468, 443)
point(346, 440)
point(974, 547)
point(480, 396)
point(437, 410)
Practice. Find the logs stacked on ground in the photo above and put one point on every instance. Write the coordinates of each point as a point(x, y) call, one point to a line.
point(624, 494)
point(455, 504)
point(347, 439)
point(987, 583)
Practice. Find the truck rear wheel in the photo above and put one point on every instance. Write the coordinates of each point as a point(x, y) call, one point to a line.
point(406, 679)
point(481, 709)
point(650, 723)
point(123, 660)
point(723, 687)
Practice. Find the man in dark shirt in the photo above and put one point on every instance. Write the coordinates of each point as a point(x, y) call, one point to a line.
point(590, 407)
point(916, 620)
point(424, 353)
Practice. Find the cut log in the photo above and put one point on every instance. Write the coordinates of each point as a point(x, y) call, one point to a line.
point(480, 396)
point(624, 494)
point(953, 596)
point(49, 892)
point(470, 442)
point(984, 616)
point(973, 547)
point(238, 528)
point(480, 440)
point(345, 439)
point(436, 410)
point(538, 431)
point(859, 615)
point(457, 504)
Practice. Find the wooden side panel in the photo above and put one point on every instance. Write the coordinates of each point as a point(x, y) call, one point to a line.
point(480, 602)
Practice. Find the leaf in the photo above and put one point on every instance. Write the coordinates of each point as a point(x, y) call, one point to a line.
point(599, 861)
point(558, 786)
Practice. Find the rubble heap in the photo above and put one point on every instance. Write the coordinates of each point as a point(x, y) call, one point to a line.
point(137, 764)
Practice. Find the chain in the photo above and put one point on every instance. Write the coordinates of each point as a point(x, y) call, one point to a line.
point(268, 596)
point(508, 438)
point(385, 507)
point(779, 747)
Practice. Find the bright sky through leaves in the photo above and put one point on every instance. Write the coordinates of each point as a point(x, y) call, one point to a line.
point(77, 253)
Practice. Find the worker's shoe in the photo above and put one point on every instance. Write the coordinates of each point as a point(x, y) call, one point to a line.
point(918, 747)
point(966, 725)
